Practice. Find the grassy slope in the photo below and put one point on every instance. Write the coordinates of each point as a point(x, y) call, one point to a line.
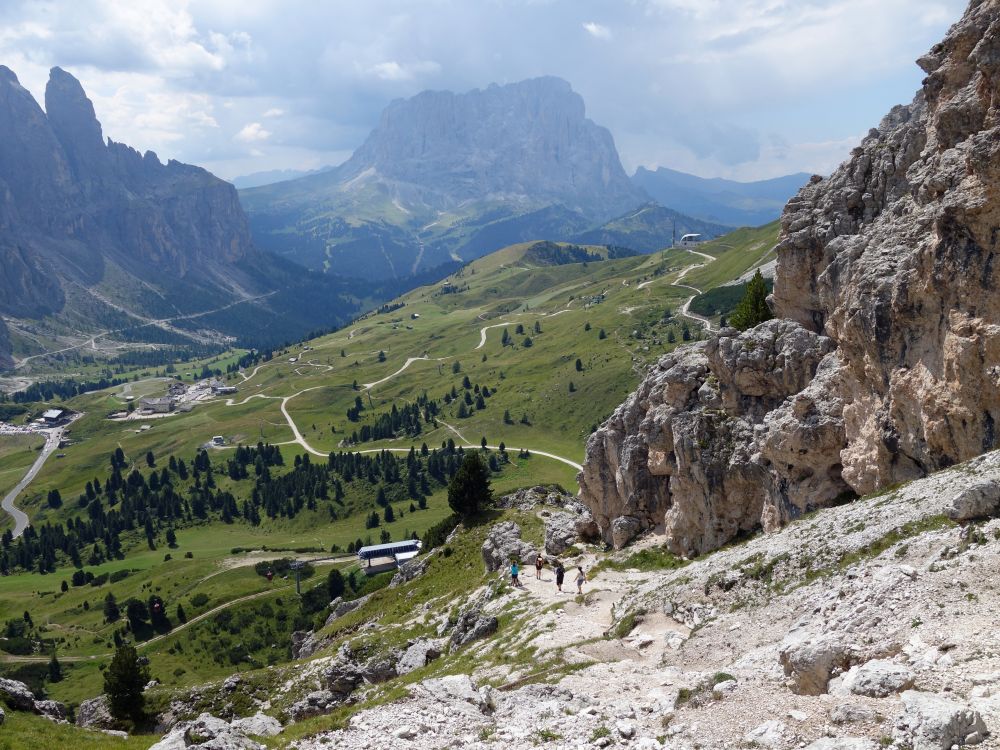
point(528, 381)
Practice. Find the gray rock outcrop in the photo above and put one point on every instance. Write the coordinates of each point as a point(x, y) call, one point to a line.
point(880, 366)
point(211, 733)
point(503, 544)
point(472, 625)
point(418, 654)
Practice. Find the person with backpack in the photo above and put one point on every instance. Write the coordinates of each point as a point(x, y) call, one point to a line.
point(560, 575)
point(539, 562)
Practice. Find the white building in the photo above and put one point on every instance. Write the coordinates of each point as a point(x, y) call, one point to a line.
point(690, 240)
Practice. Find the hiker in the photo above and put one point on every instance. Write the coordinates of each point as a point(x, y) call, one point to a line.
point(515, 571)
point(560, 574)
point(581, 578)
point(539, 562)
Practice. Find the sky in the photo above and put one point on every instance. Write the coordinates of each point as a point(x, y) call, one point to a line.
point(744, 89)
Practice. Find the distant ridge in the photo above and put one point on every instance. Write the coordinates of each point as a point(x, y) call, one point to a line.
point(718, 200)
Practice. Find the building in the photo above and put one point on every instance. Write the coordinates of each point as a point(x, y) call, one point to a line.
point(177, 389)
point(53, 416)
point(379, 558)
point(163, 405)
point(218, 387)
point(690, 240)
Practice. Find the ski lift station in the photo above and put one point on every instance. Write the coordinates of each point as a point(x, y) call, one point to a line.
point(379, 558)
point(690, 240)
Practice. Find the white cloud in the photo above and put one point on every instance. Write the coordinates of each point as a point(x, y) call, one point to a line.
point(274, 112)
point(394, 71)
point(252, 132)
point(596, 30)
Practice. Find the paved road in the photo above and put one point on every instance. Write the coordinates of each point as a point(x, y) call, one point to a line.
point(21, 521)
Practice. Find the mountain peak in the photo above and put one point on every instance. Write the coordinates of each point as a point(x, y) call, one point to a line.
point(74, 122)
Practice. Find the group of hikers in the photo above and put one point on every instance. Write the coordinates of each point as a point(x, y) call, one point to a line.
point(560, 571)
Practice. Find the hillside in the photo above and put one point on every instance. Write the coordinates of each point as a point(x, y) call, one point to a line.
point(724, 201)
point(97, 239)
point(445, 176)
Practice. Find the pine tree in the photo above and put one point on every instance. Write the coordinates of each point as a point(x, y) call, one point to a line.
point(752, 310)
point(124, 681)
point(335, 584)
point(469, 490)
point(579, 365)
point(111, 611)
point(602, 335)
point(181, 614)
point(55, 669)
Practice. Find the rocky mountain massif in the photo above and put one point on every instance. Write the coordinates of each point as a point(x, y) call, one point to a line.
point(95, 231)
point(881, 366)
point(447, 175)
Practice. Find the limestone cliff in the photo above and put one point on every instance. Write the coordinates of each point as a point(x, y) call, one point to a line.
point(882, 365)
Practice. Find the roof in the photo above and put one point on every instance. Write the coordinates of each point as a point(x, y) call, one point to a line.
point(53, 414)
point(390, 549)
point(164, 400)
point(690, 237)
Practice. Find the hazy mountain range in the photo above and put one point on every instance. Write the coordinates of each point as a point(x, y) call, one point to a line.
point(101, 237)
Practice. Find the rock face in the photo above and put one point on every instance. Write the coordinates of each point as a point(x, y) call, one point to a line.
point(933, 722)
point(881, 364)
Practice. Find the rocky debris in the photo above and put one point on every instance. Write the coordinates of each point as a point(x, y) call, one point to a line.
point(842, 743)
point(877, 679)
point(472, 625)
point(342, 678)
point(211, 733)
point(418, 654)
point(3, 716)
point(503, 544)
point(95, 713)
point(861, 382)
point(934, 722)
point(981, 500)
point(410, 570)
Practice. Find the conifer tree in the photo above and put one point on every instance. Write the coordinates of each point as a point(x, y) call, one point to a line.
point(469, 490)
point(124, 682)
point(752, 310)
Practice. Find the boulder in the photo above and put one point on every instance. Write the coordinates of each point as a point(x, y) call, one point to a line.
point(981, 500)
point(471, 626)
point(341, 678)
point(419, 654)
point(853, 713)
point(95, 713)
point(504, 543)
point(769, 734)
point(623, 530)
point(381, 668)
point(457, 692)
point(560, 533)
point(877, 679)
point(811, 660)
point(52, 709)
point(314, 704)
point(258, 725)
point(932, 722)
point(17, 695)
point(3, 716)
point(339, 607)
